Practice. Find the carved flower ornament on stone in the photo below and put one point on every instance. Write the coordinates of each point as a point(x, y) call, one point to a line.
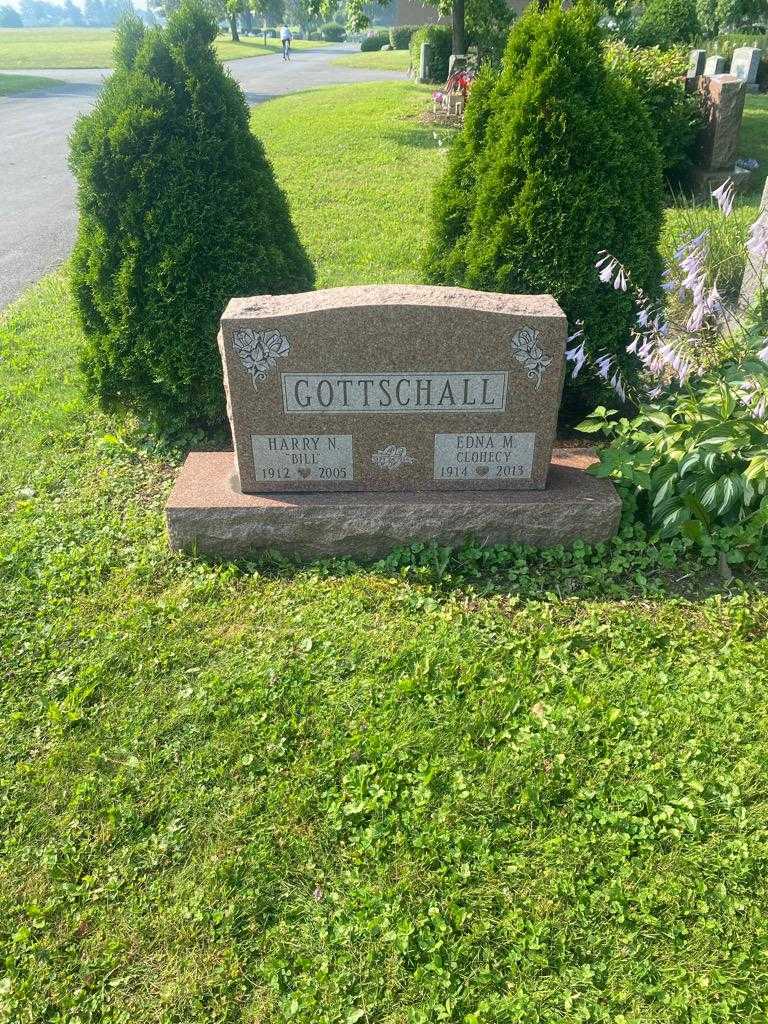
point(392, 457)
point(259, 351)
point(528, 352)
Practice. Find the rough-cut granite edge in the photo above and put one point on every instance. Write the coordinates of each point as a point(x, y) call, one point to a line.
point(207, 515)
point(269, 306)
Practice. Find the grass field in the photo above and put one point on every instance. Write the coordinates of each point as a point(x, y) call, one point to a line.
point(485, 789)
point(92, 47)
point(348, 224)
point(12, 84)
point(381, 60)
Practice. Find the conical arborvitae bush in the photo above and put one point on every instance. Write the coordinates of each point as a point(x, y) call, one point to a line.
point(557, 162)
point(179, 212)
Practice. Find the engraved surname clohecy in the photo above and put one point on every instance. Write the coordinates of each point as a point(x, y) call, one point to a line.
point(395, 392)
point(300, 457)
point(484, 456)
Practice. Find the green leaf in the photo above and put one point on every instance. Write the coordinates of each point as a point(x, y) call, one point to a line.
point(759, 519)
point(688, 462)
point(710, 499)
point(670, 523)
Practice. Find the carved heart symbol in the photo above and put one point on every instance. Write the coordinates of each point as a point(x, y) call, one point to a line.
point(304, 473)
point(481, 470)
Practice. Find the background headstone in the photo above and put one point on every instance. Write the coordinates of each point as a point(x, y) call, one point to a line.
point(383, 388)
point(723, 104)
point(745, 64)
point(456, 62)
point(696, 63)
point(715, 65)
point(425, 56)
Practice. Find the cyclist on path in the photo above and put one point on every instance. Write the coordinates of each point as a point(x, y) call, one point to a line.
point(285, 39)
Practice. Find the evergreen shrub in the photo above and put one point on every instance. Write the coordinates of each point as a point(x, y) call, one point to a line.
point(333, 33)
point(179, 212)
point(440, 39)
point(375, 40)
point(667, 23)
point(556, 161)
point(400, 36)
point(658, 78)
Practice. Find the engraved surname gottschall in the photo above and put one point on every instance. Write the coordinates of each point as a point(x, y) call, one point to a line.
point(407, 392)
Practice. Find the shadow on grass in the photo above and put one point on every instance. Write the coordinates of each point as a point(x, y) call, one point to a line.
point(422, 136)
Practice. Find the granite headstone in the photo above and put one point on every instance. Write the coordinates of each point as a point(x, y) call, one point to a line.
point(715, 65)
point(723, 103)
point(696, 63)
point(745, 64)
point(383, 388)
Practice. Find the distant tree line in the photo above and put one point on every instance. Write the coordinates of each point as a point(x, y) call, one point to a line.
point(249, 16)
point(40, 13)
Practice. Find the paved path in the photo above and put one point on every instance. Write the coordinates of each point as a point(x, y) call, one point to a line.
point(37, 198)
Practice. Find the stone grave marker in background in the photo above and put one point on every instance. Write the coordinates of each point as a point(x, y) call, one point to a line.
point(696, 64)
point(425, 56)
point(745, 65)
point(367, 417)
point(723, 106)
point(715, 65)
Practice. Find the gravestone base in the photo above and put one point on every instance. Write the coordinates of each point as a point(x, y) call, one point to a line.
point(208, 514)
point(705, 181)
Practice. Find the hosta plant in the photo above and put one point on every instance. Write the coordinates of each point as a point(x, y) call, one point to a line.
point(696, 453)
point(698, 458)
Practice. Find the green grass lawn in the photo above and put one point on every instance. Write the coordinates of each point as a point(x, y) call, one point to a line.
point(92, 47)
point(376, 163)
point(483, 789)
point(380, 60)
point(12, 84)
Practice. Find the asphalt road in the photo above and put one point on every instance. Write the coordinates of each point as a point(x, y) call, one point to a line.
point(37, 195)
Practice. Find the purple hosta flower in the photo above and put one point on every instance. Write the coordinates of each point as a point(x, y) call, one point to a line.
point(603, 366)
point(606, 274)
point(618, 386)
point(643, 316)
point(686, 247)
point(753, 397)
point(697, 317)
point(620, 284)
point(725, 196)
point(757, 244)
point(576, 355)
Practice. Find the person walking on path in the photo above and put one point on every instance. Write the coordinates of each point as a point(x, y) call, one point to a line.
point(285, 39)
